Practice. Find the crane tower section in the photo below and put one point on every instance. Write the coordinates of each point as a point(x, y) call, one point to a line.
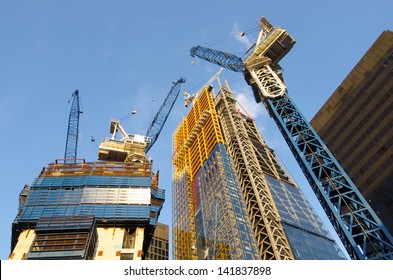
point(359, 228)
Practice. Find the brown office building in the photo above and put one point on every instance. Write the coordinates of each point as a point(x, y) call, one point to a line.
point(159, 245)
point(356, 123)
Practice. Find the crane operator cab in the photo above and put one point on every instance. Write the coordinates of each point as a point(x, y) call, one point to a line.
point(130, 147)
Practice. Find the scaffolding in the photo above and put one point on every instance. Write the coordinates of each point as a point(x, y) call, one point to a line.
point(197, 135)
point(98, 168)
point(193, 141)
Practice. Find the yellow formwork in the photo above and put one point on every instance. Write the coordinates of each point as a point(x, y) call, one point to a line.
point(193, 141)
point(197, 135)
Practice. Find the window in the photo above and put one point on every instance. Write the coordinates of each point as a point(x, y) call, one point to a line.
point(129, 239)
point(70, 245)
point(127, 256)
point(53, 242)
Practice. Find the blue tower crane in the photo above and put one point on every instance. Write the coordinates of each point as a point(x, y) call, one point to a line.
point(160, 118)
point(73, 130)
point(133, 147)
point(359, 228)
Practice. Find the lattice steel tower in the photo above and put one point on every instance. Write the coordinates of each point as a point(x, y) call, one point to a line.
point(224, 179)
point(361, 231)
point(285, 225)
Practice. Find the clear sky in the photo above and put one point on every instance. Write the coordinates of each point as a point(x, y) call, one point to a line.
point(123, 55)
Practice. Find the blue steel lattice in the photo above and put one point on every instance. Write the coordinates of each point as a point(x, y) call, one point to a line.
point(361, 231)
point(73, 130)
point(160, 118)
point(223, 59)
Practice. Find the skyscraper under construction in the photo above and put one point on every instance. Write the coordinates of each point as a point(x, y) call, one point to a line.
point(105, 209)
point(231, 197)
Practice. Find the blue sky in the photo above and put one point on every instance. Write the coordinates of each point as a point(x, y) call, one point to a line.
point(123, 55)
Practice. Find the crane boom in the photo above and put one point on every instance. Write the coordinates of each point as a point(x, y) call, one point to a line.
point(223, 59)
point(359, 228)
point(160, 118)
point(133, 147)
point(71, 147)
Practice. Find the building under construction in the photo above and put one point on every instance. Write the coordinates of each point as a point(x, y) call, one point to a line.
point(106, 209)
point(208, 222)
point(231, 197)
point(358, 226)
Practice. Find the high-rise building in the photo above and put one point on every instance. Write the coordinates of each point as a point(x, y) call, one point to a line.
point(282, 223)
point(356, 123)
point(209, 217)
point(159, 245)
point(102, 210)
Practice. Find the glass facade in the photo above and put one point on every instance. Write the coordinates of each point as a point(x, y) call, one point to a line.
point(223, 229)
point(209, 216)
point(306, 233)
point(69, 205)
point(281, 215)
point(234, 200)
point(159, 245)
point(108, 198)
point(71, 237)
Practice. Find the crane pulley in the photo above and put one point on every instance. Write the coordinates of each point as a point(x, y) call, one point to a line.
point(359, 228)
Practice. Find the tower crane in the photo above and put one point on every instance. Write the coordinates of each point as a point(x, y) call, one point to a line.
point(359, 228)
point(71, 147)
point(160, 118)
point(133, 147)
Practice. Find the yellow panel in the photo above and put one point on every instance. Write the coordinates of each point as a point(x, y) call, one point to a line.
point(197, 135)
point(23, 245)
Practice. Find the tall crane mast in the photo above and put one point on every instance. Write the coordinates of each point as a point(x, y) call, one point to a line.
point(133, 147)
point(359, 228)
point(71, 147)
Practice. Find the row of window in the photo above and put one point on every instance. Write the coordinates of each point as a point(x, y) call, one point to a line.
point(63, 245)
point(102, 181)
point(100, 211)
point(89, 195)
point(294, 208)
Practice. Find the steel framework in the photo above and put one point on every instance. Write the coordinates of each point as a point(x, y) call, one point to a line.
point(361, 231)
point(265, 219)
point(160, 118)
point(209, 214)
point(71, 148)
